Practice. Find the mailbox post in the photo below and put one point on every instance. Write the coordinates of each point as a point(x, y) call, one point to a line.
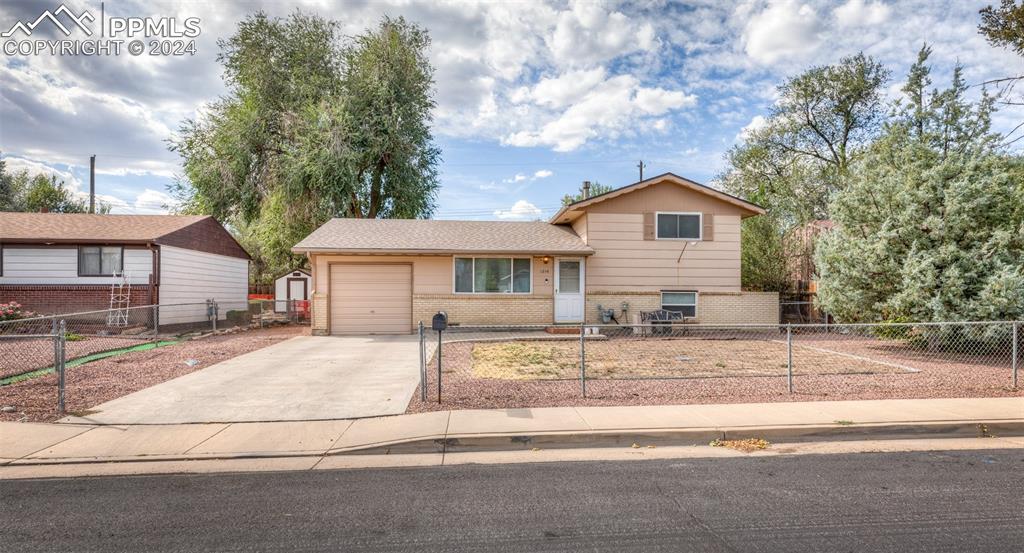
point(439, 324)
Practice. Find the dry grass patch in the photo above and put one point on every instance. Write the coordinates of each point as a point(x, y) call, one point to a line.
point(662, 358)
point(525, 360)
point(748, 445)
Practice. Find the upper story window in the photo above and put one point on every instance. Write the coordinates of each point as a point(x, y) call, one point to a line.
point(679, 226)
point(100, 260)
point(493, 275)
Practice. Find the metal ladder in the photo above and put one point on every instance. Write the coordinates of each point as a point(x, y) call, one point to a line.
point(120, 298)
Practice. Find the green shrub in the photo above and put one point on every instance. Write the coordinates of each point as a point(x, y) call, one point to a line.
point(893, 329)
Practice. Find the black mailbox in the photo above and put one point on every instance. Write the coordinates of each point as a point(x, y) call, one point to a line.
point(440, 321)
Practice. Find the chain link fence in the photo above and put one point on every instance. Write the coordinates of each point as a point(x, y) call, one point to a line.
point(42, 345)
point(268, 312)
point(524, 366)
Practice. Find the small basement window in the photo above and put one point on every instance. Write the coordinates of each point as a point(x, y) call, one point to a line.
point(493, 275)
point(682, 302)
point(679, 226)
point(100, 260)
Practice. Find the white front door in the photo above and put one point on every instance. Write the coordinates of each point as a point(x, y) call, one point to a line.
point(569, 292)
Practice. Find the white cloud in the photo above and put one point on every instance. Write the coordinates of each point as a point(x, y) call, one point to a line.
point(784, 29)
point(607, 110)
point(520, 177)
point(588, 33)
point(857, 13)
point(521, 210)
point(655, 101)
point(154, 201)
point(755, 124)
point(566, 88)
point(16, 164)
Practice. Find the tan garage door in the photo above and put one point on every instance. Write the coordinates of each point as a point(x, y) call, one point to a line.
point(371, 299)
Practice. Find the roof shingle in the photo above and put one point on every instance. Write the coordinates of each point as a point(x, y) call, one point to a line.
point(432, 236)
point(195, 232)
point(63, 227)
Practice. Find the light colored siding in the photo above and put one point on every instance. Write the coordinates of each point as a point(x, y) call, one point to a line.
point(188, 276)
point(432, 289)
point(579, 226)
point(431, 274)
point(59, 265)
point(624, 261)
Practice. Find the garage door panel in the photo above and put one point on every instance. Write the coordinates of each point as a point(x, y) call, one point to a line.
point(371, 299)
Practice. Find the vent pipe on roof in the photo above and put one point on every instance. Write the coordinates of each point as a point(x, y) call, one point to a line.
point(586, 189)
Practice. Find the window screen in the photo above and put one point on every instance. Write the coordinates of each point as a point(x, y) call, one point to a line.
point(683, 302)
point(492, 275)
point(100, 260)
point(684, 226)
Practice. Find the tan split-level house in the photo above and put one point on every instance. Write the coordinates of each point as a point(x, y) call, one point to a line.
point(663, 243)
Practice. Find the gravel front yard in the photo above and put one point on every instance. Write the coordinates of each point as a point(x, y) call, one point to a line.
point(520, 373)
point(94, 383)
point(20, 355)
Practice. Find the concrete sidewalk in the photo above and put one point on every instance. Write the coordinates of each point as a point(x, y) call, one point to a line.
point(509, 429)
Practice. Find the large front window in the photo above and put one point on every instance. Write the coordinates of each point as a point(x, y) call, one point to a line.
point(100, 260)
point(492, 275)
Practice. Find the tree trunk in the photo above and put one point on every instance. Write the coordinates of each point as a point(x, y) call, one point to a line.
point(375, 189)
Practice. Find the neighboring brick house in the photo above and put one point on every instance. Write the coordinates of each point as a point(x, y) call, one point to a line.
point(63, 263)
point(665, 242)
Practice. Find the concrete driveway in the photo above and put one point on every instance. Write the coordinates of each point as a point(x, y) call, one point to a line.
point(304, 378)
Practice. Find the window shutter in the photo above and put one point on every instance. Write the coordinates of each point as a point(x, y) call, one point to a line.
point(649, 226)
point(708, 233)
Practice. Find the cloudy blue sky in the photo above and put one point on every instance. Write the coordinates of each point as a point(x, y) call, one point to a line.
point(532, 97)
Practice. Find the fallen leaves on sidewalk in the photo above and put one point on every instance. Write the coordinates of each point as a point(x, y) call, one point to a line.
point(748, 445)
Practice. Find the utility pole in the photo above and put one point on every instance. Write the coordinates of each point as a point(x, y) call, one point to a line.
point(641, 166)
point(92, 183)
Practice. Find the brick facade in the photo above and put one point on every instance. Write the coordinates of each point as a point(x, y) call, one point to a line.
point(738, 308)
point(485, 309)
point(638, 301)
point(59, 298)
point(712, 308)
point(319, 320)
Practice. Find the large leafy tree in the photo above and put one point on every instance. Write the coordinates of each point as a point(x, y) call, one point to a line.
point(48, 194)
point(1003, 27)
point(10, 189)
point(22, 191)
point(931, 223)
point(821, 123)
point(313, 127)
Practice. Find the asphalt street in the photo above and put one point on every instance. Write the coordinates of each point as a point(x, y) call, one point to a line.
point(900, 502)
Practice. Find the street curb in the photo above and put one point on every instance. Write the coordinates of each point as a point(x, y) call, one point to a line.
point(694, 436)
point(603, 438)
